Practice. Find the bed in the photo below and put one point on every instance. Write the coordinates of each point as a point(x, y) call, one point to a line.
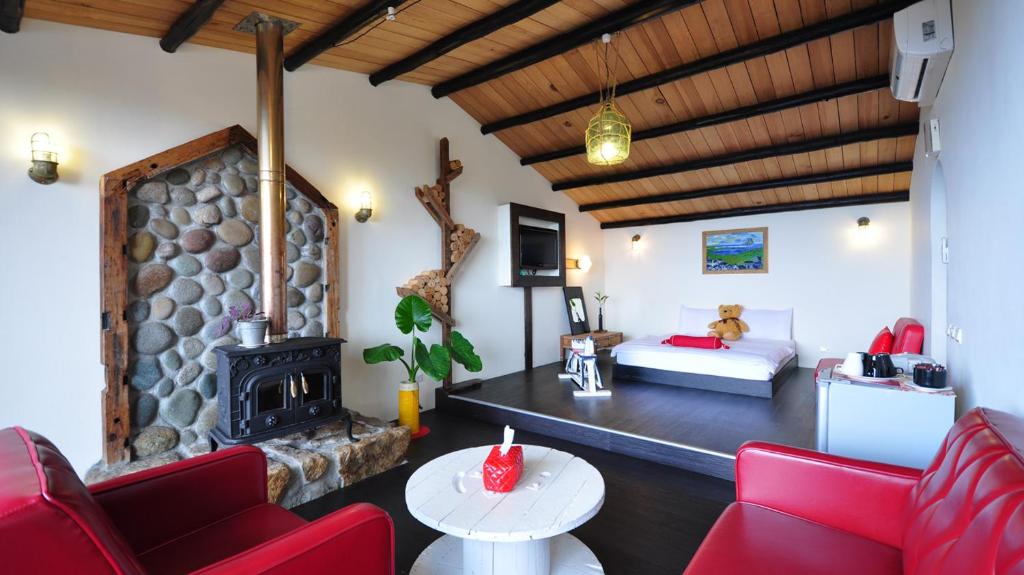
point(756, 365)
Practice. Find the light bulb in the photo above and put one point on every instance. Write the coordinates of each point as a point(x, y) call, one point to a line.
point(584, 263)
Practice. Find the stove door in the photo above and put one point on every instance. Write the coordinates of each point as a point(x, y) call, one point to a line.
point(270, 405)
point(317, 398)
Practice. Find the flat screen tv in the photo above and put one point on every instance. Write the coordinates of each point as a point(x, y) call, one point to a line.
point(538, 248)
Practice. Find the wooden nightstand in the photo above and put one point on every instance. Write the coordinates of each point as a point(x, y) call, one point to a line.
point(602, 340)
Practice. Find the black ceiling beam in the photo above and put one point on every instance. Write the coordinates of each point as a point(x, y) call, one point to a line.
point(885, 198)
point(631, 15)
point(812, 145)
point(855, 87)
point(837, 176)
point(473, 31)
point(189, 23)
point(727, 58)
point(11, 12)
point(354, 22)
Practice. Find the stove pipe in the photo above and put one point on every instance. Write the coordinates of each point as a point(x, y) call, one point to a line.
point(270, 136)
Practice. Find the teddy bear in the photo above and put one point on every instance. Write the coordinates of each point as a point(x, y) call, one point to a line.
point(730, 327)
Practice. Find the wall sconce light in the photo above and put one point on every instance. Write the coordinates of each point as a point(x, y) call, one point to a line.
point(44, 160)
point(863, 223)
point(635, 242)
point(583, 263)
point(365, 207)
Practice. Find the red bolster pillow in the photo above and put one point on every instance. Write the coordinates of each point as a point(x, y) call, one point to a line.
point(700, 342)
point(882, 342)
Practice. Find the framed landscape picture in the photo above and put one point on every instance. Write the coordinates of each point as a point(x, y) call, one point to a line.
point(742, 251)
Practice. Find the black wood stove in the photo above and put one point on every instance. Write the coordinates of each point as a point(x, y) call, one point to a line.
point(277, 389)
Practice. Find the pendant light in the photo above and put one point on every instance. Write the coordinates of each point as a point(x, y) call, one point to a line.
point(609, 132)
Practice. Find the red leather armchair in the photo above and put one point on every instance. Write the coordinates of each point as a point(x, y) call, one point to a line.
point(801, 512)
point(207, 514)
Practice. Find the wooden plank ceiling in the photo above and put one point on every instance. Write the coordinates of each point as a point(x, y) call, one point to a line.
point(692, 33)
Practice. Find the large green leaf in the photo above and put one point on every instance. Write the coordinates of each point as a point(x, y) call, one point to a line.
point(412, 311)
point(436, 362)
point(382, 353)
point(462, 352)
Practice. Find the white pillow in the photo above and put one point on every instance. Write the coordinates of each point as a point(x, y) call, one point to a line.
point(769, 323)
point(694, 321)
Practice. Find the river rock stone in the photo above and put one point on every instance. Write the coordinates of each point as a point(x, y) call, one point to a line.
point(157, 211)
point(153, 338)
point(231, 155)
point(212, 178)
point(144, 410)
point(297, 237)
point(212, 284)
point(183, 197)
point(208, 215)
point(192, 347)
point(238, 299)
point(311, 311)
point(295, 297)
point(152, 278)
point(207, 419)
point(222, 259)
point(313, 251)
point(240, 278)
point(313, 329)
point(211, 306)
point(138, 215)
point(207, 385)
point(197, 241)
point(163, 388)
point(155, 192)
point(251, 257)
point(300, 204)
point(164, 228)
point(315, 293)
point(145, 372)
point(167, 250)
point(250, 208)
point(209, 358)
point(188, 321)
point(278, 475)
point(227, 207)
point(171, 360)
point(162, 307)
point(186, 265)
point(140, 246)
point(197, 178)
point(232, 184)
point(215, 164)
point(251, 185)
point(235, 232)
point(248, 166)
point(296, 320)
point(314, 226)
point(181, 408)
point(294, 218)
point(185, 291)
point(188, 374)
point(372, 455)
point(306, 273)
point(177, 176)
point(138, 311)
point(180, 216)
point(291, 253)
point(188, 437)
point(154, 439)
point(208, 193)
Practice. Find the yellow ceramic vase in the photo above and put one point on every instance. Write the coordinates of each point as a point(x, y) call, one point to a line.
point(409, 406)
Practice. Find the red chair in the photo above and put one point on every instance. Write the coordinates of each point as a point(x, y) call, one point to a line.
point(801, 512)
point(207, 514)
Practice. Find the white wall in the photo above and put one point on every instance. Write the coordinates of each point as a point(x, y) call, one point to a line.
point(842, 285)
point(111, 99)
point(981, 120)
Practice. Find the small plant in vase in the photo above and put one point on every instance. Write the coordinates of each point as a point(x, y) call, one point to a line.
point(412, 315)
point(601, 298)
point(250, 325)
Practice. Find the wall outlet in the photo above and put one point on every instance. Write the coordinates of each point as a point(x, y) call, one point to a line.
point(944, 250)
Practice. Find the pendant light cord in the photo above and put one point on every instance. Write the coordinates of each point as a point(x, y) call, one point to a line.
point(609, 84)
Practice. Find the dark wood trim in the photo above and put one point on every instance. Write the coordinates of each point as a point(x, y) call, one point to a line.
point(444, 165)
point(517, 211)
point(751, 387)
point(527, 328)
point(473, 31)
point(11, 12)
point(629, 16)
point(884, 198)
point(190, 22)
point(114, 348)
point(752, 186)
point(720, 60)
point(849, 88)
point(812, 145)
point(349, 25)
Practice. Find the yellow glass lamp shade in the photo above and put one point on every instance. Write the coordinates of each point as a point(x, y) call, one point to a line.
point(608, 136)
point(409, 406)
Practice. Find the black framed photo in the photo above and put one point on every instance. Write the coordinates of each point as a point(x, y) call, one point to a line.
point(576, 308)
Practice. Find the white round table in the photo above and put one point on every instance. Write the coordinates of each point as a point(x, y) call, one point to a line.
point(523, 532)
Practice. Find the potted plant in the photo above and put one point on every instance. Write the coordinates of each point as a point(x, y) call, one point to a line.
point(412, 315)
point(250, 325)
point(601, 298)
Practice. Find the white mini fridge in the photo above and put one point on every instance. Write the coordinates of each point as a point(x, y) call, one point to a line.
point(881, 422)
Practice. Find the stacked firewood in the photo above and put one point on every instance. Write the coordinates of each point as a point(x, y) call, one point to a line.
point(432, 286)
point(461, 238)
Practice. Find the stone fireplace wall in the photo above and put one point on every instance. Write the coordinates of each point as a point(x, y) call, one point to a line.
point(193, 253)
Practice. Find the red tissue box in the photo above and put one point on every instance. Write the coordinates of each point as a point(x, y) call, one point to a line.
point(502, 472)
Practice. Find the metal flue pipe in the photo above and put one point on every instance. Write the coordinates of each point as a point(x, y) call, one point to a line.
point(270, 135)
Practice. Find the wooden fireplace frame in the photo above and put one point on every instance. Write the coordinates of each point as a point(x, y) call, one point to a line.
point(114, 346)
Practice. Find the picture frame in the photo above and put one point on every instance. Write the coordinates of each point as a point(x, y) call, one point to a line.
point(735, 251)
point(576, 310)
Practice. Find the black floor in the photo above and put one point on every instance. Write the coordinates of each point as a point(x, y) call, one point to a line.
point(653, 519)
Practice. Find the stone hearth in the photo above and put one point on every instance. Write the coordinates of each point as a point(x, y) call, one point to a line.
point(300, 467)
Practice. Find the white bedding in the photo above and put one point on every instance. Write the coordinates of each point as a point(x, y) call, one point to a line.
point(748, 358)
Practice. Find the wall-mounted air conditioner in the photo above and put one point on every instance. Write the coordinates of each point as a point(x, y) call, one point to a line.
point(921, 50)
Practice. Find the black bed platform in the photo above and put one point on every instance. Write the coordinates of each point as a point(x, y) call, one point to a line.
point(753, 388)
